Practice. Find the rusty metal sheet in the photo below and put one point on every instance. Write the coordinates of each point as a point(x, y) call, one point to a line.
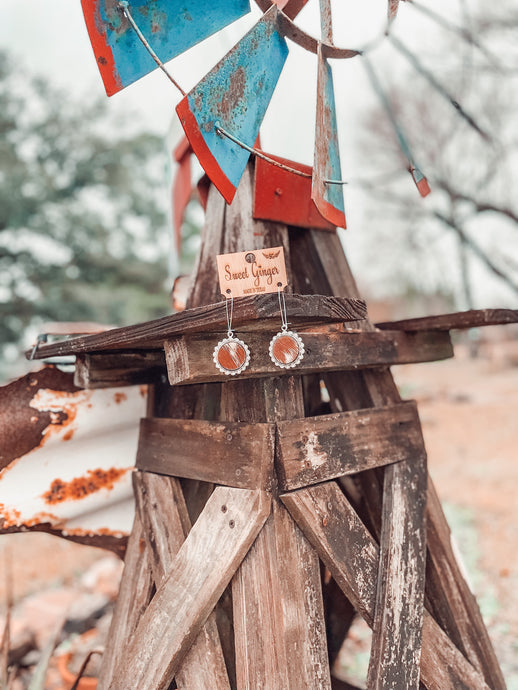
point(67, 455)
point(283, 197)
point(329, 198)
point(234, 96)
point(170, 27)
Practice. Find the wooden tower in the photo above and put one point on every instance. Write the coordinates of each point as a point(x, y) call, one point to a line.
point(267, 518)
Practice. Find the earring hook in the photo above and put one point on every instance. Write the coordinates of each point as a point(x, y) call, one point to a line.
point(229, 318)
point(282, 308)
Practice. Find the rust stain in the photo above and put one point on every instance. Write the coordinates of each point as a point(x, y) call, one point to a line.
point(234, 94)
point(26, 425)
point(9, 517)
point(80, 487)
point(44, 518)
point(68, 435)
point(120, 397)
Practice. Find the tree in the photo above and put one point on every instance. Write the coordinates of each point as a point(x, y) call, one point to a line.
point(83, 212)
point(458, 110)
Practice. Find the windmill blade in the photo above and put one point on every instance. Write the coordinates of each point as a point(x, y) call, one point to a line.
point(328, 198)
point(170, 27)
point(231, 101)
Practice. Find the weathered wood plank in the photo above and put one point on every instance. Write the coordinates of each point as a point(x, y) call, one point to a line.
point(315, 449)
point(201, 570)
point(164, 514)
point(254, 312)
point(474, 318)
point(398, 619)
point(111, 370)
point(278, 614)
point(189, 359)
point(326, 271)
point(278, 605)
point(229, 453)
point(135, 593)
point(351, 555)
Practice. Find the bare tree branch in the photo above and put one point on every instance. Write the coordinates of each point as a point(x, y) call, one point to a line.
point(478, 251)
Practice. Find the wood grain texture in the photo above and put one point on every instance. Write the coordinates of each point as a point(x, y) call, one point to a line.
point(250, 313)
point(398, 619)
point(278, 611)
point(199, 573)
point(228, 453)
point(474, 318)
point(135, 593)
point(164, 514)
point(189, 359)
point(271, 617)
point(327, 271)
point(352, 556)
point(110, 370)
point(316, 449)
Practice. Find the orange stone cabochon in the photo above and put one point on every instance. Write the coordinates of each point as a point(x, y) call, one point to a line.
point(285, 349)
point(231, 356)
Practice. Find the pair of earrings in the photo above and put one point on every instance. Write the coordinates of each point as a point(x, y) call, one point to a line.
point(232, 356)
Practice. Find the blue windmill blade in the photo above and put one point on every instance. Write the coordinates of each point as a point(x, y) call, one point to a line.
point(226, 108)
point(328, 197)
point(170, 27)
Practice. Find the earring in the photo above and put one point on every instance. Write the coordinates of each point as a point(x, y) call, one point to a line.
point(286, 348)
point(231, 355)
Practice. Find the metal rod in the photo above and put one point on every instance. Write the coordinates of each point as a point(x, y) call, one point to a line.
point(266, 158)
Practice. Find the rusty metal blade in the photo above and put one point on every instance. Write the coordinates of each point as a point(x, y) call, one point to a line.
point(234, 95)
point(328, 198)
point(170, 27)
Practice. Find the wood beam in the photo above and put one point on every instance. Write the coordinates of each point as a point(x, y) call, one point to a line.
point(316, 449)
point(352, 557)
point(198, 575)
point(108, 370)
point(249, 313)
point(189, 359)
point(241, 455)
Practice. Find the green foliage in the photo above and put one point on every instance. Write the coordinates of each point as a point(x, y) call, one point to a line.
point(83, 212)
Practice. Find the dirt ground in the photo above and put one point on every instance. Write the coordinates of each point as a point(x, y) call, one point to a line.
point(469, 412)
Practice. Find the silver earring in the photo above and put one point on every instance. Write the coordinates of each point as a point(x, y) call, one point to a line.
point(231, 355)
point(286, 348)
